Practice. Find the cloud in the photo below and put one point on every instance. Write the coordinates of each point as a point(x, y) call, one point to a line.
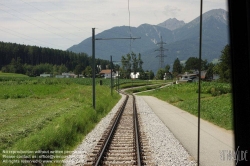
point(171, 11)
point(68, 22)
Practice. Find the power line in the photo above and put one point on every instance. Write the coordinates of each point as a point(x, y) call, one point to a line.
point(16, 35)
point(51, 15)
point(42, 27)
point(26, 36)
point(37, 25)
point(17, 15)
point(38, 20)
point(117, 32)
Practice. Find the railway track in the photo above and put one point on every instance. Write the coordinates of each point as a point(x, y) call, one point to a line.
point(123, 142)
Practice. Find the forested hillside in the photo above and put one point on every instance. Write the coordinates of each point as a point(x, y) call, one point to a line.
point(33, 60)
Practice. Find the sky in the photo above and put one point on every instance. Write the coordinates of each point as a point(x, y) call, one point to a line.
point(60, 24)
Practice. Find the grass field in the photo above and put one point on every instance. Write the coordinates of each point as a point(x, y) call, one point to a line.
point(216, 104)
point(49, 113)
point(12, 75)
point(136, 83)
point(144, 88)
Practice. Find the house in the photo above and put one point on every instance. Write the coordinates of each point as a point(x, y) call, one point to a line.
point(134, 75)
point(45, 75)
point(167, 76)
point(203, 73)
point(69, 75)
point(66, 75)
point(107, 73)
point(184, 78)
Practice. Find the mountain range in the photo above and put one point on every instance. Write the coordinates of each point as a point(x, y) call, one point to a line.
point(182, 40)
point(172, 24)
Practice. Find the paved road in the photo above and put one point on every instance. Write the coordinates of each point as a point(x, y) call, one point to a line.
point(215, 143)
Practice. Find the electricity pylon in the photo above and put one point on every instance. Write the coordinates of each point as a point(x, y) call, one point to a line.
point(161, 55)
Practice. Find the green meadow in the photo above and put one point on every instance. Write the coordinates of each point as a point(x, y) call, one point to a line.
point(55, 114)
point(12, 75)
point(49, 113)
point(216, 100)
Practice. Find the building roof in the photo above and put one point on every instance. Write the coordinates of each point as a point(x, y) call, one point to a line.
point(107, 71)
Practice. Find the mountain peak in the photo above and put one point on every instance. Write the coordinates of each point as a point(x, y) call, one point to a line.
point(172, 24)
point(218, 14)
point(182, 42)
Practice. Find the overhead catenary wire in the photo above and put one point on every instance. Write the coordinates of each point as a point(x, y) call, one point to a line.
point(106, 30)
point(52, 16)
point(28, 37)
point(17, 15)
point(14, 15)
point(38, 20)
point(47, 25)
point(36, 25)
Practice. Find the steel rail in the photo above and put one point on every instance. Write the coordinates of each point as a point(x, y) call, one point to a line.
point(136, 127)
point(112, 131)
point(108, 140)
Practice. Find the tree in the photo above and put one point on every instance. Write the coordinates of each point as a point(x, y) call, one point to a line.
point(193, 64)
point(131, 63)
point(134, 63)
point(55, 70)
point(88, 71)
point(167, 68)
point(126, 66)
point(140, 62)
point(14, 56)
point(210, 72)
point(224, 67)
point(160, 74)
point(29, 70)
point(177, 67)
point(78, 70)
point(15, 66)
point(167, 71)
point(62, 69)
point(151, 75)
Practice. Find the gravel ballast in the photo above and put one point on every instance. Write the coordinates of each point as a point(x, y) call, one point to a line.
point(80, 154)
point(165, 148)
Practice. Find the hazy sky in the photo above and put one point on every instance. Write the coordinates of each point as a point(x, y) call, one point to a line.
point(60, 24)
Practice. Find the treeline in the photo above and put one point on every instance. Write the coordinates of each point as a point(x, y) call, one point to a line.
point(34, 60)
point(132, 63)
point(223, 68)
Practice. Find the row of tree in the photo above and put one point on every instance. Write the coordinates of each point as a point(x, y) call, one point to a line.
point(223, 68)
point(33, 60)
point(132, 63)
